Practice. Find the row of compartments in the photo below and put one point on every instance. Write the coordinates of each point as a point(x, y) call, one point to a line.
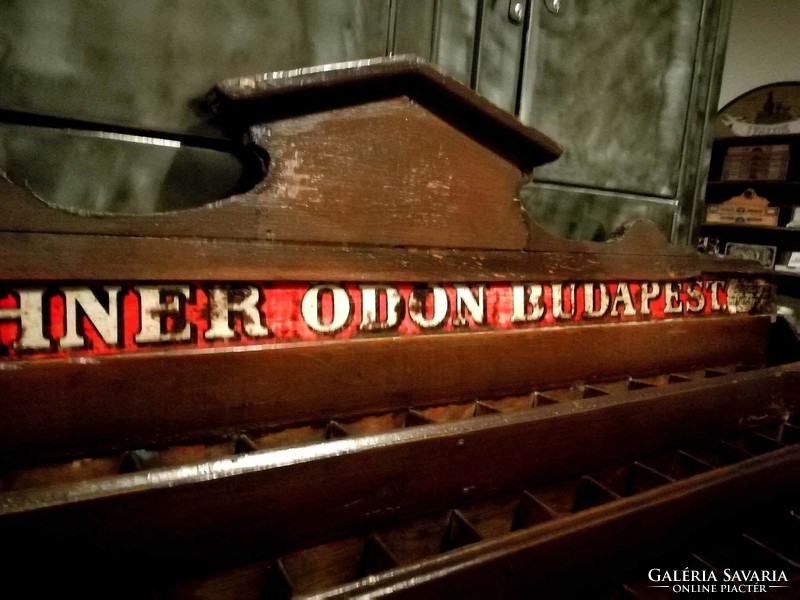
point(344, 561)
point(768, 542)
point(149, 458)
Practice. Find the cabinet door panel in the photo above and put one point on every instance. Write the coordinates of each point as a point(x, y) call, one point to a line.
point(611, 82)
point(147, 63)
point(500, 54)
point(414, 27)
point(455, 37)
point(594, 216)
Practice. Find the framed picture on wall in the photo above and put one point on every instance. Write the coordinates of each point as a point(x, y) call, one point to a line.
point(772, 109)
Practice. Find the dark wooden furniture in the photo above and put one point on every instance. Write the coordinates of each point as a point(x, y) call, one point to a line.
point(373, 374)
point(782, 193)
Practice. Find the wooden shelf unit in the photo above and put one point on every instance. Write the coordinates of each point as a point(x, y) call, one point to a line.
point(784, 194)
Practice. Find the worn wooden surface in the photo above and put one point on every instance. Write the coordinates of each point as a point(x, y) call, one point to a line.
point(107, 402)
point(387, 173)
point(347, 168)
point(53, 257)
point(374, 172)
point(382, 164)
point(294, 91)
point(272, 502)
point(618, 537)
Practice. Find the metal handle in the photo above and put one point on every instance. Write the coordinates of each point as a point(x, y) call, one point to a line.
point(554, 6)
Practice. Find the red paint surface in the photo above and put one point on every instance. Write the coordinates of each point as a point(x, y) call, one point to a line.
point(280, 307)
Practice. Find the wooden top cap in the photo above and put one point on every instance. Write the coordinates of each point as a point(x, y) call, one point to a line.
point(316, 88)
point(387, 156)
point(381, 152)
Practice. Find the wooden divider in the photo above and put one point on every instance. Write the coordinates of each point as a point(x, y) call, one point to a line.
point(164, 397)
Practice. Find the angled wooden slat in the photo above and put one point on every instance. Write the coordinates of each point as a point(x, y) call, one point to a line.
point(592, 493)
point(459, 532)
point(415, 418)
point(266, 502)
point(672, 513)
point(155, 410)
point(244, 444)
point(375, 557)
point(336, 431)
point(531, 511)
point(482, 408)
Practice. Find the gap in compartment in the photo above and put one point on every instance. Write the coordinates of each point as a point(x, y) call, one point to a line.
point(188, 454)
point(459, 532)
point(291, 436)
point(324, 566)
point(483, 409)
point(734, 551)
point(592, 493)
point(73, 471)
point(531, 511)
point(677, 464)
point(493, 517)
point(780, 532)
point(511, 403)
point(448, 412)
point(790, 434)
point(374, 424)
point(630, 479)
point(415, 539)
point(754, 443)
point(559, 497)
point(719, 454)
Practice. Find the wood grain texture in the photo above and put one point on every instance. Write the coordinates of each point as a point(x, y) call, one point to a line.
point(272, 502)
point(54, 257)
point(328, 85)
point(388, 173)
point(60, 406)
point(618, 537)
point(407, 157)
point(385, 173)
point(385, 153)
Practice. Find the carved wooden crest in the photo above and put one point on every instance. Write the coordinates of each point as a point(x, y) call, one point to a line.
point(387, 210)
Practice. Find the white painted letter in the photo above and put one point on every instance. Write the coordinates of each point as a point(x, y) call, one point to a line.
point(311, 308)
point(558, 301)
point(465, 300)
point(672, 295)
point(715, 287)
point(650, 291)
point(534, 300)
point(623, 296)
point(153, 313)
point(416, 306)
point(106, 322)
point(589, 308)
point(370, 314)
point(29, 315)
point(695, 292)
point(224, 301)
